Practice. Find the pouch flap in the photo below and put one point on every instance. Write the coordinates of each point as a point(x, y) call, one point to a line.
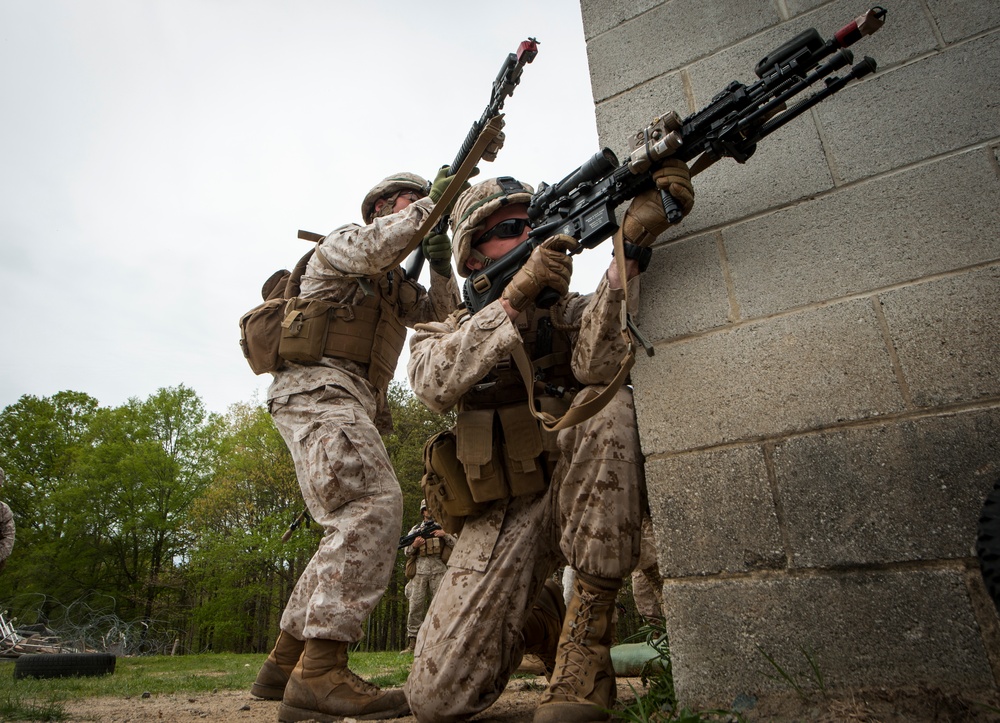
point(520, 431)
point(475, 436)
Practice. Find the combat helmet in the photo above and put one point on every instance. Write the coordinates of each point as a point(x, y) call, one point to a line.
point(473, 207)
point(391, 184)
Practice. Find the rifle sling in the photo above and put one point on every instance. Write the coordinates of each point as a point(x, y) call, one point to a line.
point(588, 409)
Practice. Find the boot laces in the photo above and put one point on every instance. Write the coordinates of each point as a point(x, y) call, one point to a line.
point(574, 650)
point(362, 685)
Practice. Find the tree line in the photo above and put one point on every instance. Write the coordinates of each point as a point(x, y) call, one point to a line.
point(156, 526)
point(168, 520)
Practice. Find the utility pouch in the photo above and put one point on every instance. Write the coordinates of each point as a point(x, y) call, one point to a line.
point(445, 486)
point(411, 567)
point(475, 448)
point(260, 332)
point(303, 330)
point(522, 450)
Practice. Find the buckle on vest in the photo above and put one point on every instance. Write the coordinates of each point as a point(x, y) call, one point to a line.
point(504, 364)
point(343, 312)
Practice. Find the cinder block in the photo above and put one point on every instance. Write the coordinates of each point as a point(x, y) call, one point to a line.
point(906, 34)
point(713, 512)
point(683, 290)
point(620, 117)
point(947, 336)
point(863, 237)
point(958, 19)
point(788, 374)
point(602, 15)
point(897, 492)
point(668, 37)
point(886, 121)
point(890, 628)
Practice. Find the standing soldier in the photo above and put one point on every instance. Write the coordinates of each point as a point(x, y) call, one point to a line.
point(6, 528)
point(429, 557)
point(330, 415)
point(576, 498)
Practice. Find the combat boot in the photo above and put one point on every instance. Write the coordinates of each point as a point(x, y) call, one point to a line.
point(582, 687)
point(544, 625)
point(273, 675)
point(411, 646)
point(322, 688)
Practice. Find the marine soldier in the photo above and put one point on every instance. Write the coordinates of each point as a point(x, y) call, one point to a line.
point(6, 528)
point(330, 415)
point(574, 498)
point(429, 556)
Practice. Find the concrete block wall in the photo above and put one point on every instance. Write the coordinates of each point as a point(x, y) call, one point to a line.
point(821, 418)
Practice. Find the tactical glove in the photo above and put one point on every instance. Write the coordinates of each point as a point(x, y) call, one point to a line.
point(548, 266)
point(644, 219)
point(437, 251)
point(441, 182)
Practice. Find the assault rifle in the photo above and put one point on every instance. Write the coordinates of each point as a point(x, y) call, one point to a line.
point(426, 531)
point(503, 87)
point(582, 205)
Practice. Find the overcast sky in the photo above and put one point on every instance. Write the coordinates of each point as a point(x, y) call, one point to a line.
point(159, 156)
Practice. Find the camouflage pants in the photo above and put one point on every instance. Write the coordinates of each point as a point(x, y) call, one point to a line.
point(350, 489)
point(647, 584)
point(589, 517)
point(419, 592)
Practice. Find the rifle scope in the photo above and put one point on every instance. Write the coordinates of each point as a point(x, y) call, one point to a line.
point(594, 169)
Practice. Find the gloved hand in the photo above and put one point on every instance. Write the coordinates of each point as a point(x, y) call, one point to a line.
point(441, 182)
point(644, 219)
point(548, 265)
point(437, 251)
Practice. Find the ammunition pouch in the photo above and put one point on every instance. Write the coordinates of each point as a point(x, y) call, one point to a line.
point(491, 454)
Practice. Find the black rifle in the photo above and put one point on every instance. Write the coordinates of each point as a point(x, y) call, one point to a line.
point(426, 531)
point(303, 518)
point(582, 205)
point(503, 87)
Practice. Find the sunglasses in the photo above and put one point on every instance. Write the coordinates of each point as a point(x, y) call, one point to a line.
point(511, 228)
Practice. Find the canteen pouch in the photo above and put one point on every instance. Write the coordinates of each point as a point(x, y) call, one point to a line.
point(445, 486)
point(483, 468)
point(260, 334)
point(411, 567)
point(303, 330)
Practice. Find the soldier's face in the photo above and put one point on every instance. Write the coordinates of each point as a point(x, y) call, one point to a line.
point(399, 202)
point(499, 241)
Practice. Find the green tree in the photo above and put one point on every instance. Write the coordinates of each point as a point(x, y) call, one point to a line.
point(240, 572)
point(43, 438)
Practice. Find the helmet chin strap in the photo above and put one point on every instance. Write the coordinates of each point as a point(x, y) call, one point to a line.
point(480, 257)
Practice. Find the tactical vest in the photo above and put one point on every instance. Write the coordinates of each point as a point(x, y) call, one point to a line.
point(501, 446)
point(550, 351)
point(370, 332)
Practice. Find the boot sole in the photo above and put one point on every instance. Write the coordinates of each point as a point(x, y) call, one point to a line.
point(267, 692)
point(290, 714)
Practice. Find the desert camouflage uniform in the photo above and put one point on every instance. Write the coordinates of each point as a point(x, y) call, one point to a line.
point(589, 517)
point(424, 585)
point(330, 417)
point(647, 584)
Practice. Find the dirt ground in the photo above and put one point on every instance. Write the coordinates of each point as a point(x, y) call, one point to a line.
point(518, 703)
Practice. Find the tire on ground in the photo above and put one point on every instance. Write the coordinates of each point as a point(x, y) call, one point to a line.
point(63, 665)
point(988, 543)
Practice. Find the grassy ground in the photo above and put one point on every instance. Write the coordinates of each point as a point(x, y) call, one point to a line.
point(40, 699)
